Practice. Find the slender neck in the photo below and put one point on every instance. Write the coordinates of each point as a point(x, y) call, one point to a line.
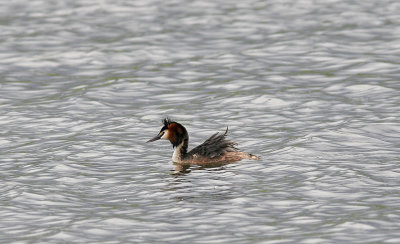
point(180, 151)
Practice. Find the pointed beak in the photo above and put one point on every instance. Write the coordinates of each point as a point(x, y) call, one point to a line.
point(158, 137)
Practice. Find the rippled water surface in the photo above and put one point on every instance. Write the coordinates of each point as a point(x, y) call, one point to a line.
point(310, 86)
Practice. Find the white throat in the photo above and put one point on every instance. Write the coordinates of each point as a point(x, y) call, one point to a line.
point(176, 157)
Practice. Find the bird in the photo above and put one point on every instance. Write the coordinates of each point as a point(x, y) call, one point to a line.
point(215, 151)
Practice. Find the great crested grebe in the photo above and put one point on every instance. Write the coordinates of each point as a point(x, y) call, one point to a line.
point(215, 151)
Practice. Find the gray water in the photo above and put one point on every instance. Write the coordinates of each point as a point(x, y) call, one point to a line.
point(310, 86)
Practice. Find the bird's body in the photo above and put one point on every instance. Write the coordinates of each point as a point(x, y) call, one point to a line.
point(216, 150)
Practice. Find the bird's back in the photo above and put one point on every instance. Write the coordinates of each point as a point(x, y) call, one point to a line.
point(216, 150)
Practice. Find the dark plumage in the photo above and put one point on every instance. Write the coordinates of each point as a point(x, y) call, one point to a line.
point(215, 146)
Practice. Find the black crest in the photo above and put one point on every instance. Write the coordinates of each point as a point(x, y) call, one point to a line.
point(167, 121)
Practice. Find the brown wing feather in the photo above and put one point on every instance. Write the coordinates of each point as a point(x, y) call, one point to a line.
point(214, 146)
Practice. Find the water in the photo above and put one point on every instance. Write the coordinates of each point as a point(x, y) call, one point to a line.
point(310, 86)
